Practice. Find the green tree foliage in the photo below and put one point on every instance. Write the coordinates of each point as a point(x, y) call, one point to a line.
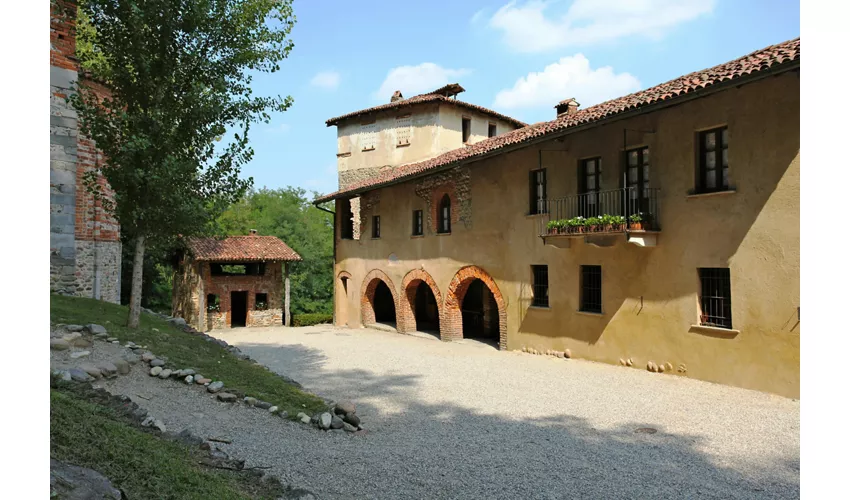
point(179, 75)
point(288, 214)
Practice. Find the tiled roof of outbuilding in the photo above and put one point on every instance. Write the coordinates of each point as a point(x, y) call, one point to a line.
point(242, 249)
point(437, 95)
point(760, 60)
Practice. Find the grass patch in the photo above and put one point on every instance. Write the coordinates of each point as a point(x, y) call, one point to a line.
point(184, 350)
point(142, 464)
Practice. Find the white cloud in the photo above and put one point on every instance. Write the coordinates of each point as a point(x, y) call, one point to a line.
point(527, 28)
point(570, 77)
point(412, 80)
point(328, 80)
point(478, 16)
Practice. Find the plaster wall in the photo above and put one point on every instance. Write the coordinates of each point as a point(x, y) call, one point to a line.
point(650, 295)
point(434, 130)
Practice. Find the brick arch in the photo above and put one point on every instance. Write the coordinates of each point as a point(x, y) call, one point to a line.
point(451, 322)
point(367, 295)
point(405, 311)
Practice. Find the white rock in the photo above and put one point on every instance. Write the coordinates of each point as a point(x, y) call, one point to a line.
point(325, 420)
point(273, 409)
point(155, 371)
point(80, 354)
point(189, 379)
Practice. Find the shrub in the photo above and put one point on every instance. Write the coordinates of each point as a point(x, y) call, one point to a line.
point(311, 319)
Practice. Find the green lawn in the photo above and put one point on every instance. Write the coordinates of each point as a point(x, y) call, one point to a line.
point(184, 350)
point(142, 464)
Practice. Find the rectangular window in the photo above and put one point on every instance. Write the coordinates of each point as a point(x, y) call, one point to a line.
point(715, 297)
point(466, 129)
point(637, 179)
point(713, 160)
point(376, 226)
point(591, 289)
point(368, 136)
point(590, 176)
point(417, 223)
point(213, 304)
point(346, 216)
point(540, 286)
point(261, 302)
point(237, 269)
point(402, 130)
point(491, 130)
point(537, 191)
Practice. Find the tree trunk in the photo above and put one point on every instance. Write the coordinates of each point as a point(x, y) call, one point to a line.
point(287, 320)
point(136, 287)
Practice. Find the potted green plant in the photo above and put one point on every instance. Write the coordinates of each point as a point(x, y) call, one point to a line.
point(636, 222)
point(607, 222)
point(594, 224)
point(618, 222)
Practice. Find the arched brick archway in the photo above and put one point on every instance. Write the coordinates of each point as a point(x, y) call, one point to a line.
point(451, 321)
point(343, 297)
point(406, 314)
point(367, 295)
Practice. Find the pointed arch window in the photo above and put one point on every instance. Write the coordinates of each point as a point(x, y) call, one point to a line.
point(444, 216)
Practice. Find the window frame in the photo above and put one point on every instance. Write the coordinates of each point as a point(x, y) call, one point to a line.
point(444, 217)
point(492, 130)
point(719, 168)
point(465, 129)
point(642, 185)
point(266, 301)
point(716, 281)
point(586, 272)
point(541, 299)
point(368, 130)
point(376, 226)
point(418, 223)
point(536, 201)
point(584, 205)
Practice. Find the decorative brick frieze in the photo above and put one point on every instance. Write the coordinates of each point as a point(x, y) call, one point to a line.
point(367, 295)
point(407, 304)
point(451, 320)
point(455, 183)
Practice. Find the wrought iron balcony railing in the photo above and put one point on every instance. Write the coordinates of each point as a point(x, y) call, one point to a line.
point(614, 211)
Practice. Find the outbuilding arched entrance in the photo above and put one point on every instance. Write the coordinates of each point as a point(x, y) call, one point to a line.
point(421, 304)
point(378, 299)
point(468, 310)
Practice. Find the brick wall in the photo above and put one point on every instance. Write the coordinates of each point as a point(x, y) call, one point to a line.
point(85, 247)
point(405, 310)
point(270, 283)
point(367, 295)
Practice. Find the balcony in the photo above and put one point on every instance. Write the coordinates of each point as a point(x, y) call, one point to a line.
point(601, 217)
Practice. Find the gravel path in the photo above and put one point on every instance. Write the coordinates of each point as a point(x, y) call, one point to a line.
point(463, 420)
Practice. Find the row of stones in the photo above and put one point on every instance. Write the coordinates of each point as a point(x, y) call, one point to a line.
point(340, 415)
point(650, 365)
point(549, 352)
point(91, 371)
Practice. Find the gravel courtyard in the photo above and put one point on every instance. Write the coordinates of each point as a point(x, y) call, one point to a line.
point(462, 420)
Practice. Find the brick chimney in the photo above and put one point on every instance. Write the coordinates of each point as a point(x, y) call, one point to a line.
point(396, 96)
point(567, 106)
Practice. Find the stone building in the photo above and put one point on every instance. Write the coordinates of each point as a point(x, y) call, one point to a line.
point(85, 244)
point(659, 230)
point(238, 281)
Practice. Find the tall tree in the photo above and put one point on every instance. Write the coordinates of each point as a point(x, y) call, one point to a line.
point(178, 71)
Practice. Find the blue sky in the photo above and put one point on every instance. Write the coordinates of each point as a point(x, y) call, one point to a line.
point(519, 58)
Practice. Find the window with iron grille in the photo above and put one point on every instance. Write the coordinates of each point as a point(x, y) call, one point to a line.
point(537, 191)
point(376, 226)
point(540, 286)
point(444, 217)
point(713, 160)
point(591, 289)
point(417, 223)
point(716, 297)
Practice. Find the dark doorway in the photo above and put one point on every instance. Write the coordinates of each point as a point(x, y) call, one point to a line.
point(425, 310)
point(384, 305)
point(480, 313)
point(238, 308)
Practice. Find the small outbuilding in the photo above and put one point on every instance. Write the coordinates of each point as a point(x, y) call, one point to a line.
point(237, 281)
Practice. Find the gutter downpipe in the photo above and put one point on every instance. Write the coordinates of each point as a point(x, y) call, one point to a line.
point(333, 275)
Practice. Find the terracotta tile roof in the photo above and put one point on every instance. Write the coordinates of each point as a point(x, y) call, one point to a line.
point(437, 95)
point(760, 60)
point(242, 249)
